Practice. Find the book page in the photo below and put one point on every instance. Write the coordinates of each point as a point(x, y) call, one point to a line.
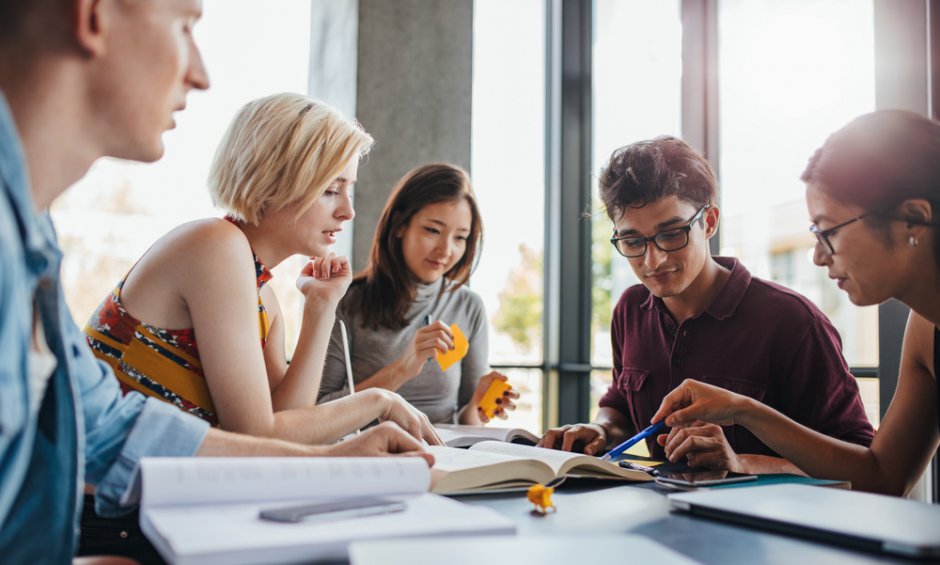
point(459, 470)
point(554, 458)
point(455, 459)
point(169, 481)
point(455, 435)
point(564, 462)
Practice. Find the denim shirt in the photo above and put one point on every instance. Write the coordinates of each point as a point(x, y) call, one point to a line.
point(83, 430)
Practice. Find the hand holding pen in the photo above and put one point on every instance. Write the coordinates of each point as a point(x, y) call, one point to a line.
point(651, 430)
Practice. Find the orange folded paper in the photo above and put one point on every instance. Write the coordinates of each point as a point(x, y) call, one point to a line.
point(461, 347)
point(494, 391)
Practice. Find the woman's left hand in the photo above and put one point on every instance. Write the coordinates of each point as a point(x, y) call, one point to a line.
point(503, 404)
point(325, 279)
point(701, 445)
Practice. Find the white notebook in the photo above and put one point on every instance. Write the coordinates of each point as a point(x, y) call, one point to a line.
point(206, 510)
point(872, 522)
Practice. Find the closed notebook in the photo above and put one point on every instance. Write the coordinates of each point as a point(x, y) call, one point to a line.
point(871, 522)
point(495, 466)
point(206, 510)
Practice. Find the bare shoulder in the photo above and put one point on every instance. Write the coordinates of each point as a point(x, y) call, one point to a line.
point(918, 341)
point(196, 251)
point(210, 253)
point(207, 237)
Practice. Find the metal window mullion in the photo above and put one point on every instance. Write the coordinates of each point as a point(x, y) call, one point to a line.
point(567, 312)
point(699, 85)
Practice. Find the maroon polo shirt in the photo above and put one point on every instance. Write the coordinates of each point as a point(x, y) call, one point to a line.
point(757, 338)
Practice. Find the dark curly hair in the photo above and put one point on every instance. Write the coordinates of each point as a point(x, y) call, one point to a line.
point(645, 171)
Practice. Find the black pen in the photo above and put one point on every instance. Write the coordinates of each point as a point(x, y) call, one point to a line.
point(427, 322)
point(637, 467)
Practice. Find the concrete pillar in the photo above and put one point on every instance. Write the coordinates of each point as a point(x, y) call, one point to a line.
point(403, 68)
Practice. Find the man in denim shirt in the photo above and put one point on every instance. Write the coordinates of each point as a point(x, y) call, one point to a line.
point(81, 79)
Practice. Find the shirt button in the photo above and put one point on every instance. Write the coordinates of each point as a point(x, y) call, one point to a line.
point(123, 534)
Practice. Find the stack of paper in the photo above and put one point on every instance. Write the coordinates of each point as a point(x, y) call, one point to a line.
point(201, 510)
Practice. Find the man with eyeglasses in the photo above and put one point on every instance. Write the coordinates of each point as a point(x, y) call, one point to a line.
point(703, 317)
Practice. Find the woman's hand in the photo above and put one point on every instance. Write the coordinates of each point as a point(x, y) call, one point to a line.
point(502, 404)
point(701, 445)
point(694, 400)
point(324, 280)
point(379, 441)
point(426, 343)
point(415, 422)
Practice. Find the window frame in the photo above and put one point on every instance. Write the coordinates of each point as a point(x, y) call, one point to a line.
point(569, 127)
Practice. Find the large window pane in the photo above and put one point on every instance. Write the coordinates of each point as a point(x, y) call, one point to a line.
point(637, 74)
point(508, 167)
point(790, 74)
point(120, 208)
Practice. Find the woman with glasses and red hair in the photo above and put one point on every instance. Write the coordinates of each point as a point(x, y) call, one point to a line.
point(873, 195)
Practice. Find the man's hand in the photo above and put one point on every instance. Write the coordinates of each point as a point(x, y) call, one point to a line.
point(593, 438)
point(701, 445)
point(379, 441)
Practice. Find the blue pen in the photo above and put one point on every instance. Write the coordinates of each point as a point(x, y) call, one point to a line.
point(653, 429)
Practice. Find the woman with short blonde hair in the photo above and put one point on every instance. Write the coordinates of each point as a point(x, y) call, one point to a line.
point(283, 174)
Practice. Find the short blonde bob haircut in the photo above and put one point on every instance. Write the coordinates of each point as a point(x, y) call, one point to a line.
point(282, 150)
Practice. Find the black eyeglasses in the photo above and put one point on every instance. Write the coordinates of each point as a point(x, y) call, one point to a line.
point(633, 246)
point(822, 236)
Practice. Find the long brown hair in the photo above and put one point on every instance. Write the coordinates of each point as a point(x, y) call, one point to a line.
point(388, 288)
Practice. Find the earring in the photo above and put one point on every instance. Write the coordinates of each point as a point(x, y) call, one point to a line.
point(912, 241)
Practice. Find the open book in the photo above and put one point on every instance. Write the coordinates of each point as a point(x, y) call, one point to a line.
point(206, 510)
point(495, 466)
point(455, 435)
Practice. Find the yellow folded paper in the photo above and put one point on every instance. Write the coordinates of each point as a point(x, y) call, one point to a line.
point(461, 347)
point(495, 391)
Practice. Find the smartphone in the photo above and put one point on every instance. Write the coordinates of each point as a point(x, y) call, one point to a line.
point(692, 479)
point(332, 511)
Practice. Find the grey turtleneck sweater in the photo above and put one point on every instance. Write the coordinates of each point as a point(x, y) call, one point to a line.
point(439, 394)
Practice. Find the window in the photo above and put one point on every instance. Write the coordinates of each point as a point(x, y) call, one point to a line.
point(637, 89)
point(120, 208)
point(779, 99)
point(507, 166)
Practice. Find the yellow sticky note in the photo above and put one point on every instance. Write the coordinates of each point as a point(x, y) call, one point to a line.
point(461, 347)
point(494, 391)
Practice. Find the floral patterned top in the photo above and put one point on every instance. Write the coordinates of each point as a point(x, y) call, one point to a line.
point(158, 362)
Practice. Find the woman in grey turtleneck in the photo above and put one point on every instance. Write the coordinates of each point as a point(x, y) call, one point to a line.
point(424, 249)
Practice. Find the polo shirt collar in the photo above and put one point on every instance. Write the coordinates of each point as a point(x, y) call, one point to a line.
point(733, 292)
point(728, 298)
